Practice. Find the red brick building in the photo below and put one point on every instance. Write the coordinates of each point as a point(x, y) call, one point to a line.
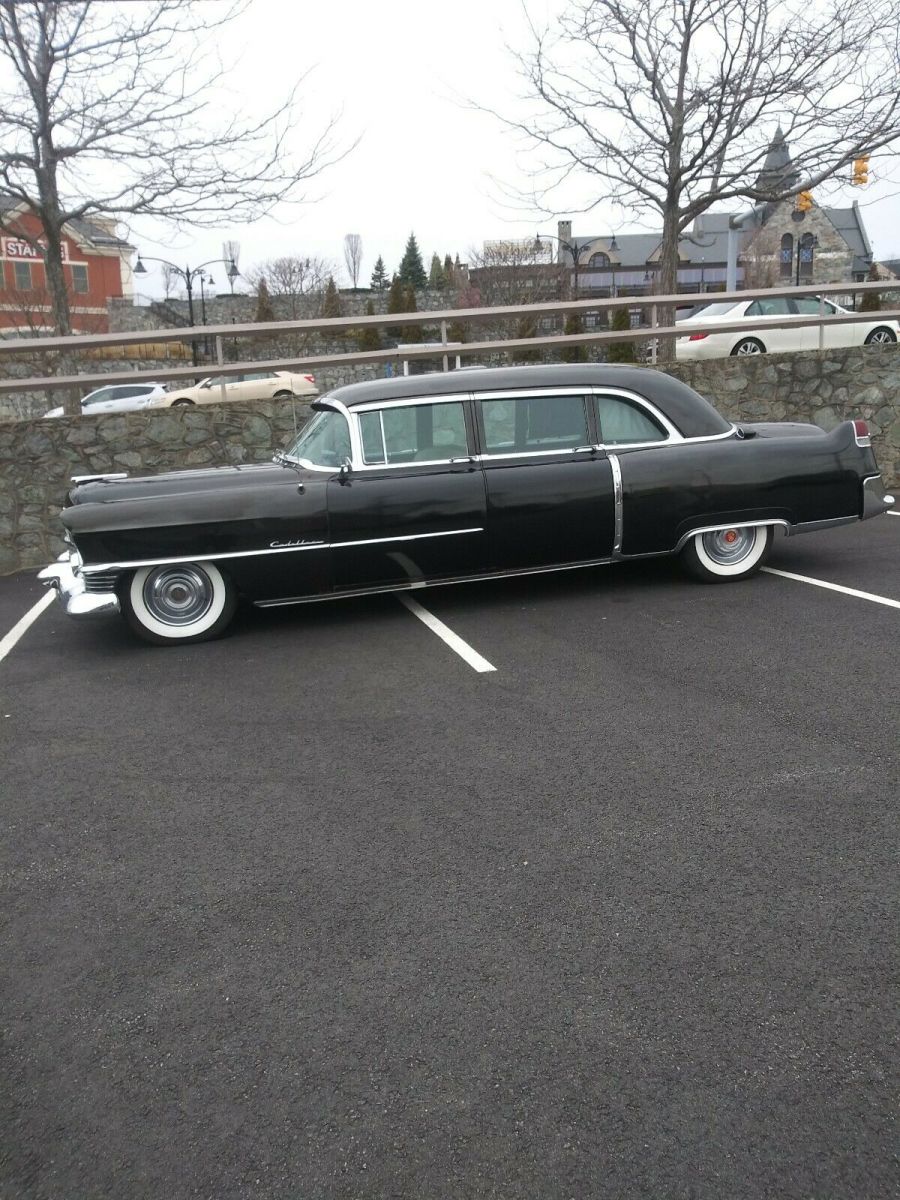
point(96, 263)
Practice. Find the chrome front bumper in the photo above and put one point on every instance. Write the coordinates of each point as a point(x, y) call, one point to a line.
point(875, 499)
point(65, 577)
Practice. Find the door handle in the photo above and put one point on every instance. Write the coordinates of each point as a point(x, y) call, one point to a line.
point(585, 449)
point(469, 460)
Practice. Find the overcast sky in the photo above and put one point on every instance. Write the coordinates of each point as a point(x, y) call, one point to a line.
point(399, 72)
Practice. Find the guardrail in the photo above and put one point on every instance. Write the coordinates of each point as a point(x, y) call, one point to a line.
point(443, 318)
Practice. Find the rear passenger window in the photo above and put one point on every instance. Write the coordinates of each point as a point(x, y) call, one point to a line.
point(622, 422)
point(414, 433)
point(534, 424)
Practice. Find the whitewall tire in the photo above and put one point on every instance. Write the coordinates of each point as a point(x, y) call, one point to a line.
point(724, 555)
point(178, 603)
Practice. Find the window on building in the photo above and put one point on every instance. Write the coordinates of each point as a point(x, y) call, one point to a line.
point(786, 256)
point(600, 260)
point(22, 274)
point(79, 278)
point(807, 244)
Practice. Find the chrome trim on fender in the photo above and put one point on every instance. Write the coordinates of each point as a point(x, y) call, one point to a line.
point(129, 564)
point(618, 499)
point(875, 499)
point(815, 526)
point(77, 479)
point(75, 599)
point(686, 537)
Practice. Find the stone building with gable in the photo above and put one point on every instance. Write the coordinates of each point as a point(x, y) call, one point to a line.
point(779, 245)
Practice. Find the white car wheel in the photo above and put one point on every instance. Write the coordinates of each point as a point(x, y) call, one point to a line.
point(727, 554)
point(179, 602)
point(748, 346)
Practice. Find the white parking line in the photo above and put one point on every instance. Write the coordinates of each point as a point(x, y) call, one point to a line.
point(453, 640)
point(26, 622)
point(835, 587)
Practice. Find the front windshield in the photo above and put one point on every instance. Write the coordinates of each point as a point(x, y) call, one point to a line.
point(325, 441)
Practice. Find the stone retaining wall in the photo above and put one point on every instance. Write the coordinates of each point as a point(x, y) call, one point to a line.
point(37, 457)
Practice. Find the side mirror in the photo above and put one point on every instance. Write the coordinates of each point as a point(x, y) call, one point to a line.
point(206, 383)
point(346, 468)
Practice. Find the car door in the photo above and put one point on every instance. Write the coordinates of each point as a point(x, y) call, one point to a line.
point(412, 507)
point(550, 487)
point(258, 385)
point(761, 316)
point(832, 335)
point(126, 397)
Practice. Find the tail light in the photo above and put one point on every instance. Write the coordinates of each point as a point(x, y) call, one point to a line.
point(698, 337)
point(310, 378)
point(861, 431)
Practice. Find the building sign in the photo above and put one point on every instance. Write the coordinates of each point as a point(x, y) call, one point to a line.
point(17, 248)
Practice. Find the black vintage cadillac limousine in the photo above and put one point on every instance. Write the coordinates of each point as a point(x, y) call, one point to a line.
point(474, 474)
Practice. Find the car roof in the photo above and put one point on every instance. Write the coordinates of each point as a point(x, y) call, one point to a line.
point(686, 409)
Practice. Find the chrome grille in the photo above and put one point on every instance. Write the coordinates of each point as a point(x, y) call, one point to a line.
point(100, 583)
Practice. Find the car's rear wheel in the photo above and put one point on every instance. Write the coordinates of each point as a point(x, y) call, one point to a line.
point(727, 554)
point(178, 602)
point(882, 336)
point(182, 402)
point(748, 345)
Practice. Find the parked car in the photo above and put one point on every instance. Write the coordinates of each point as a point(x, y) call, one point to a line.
point(762, 334)
point(401, 483)
point(118, 397)
point(253, 385)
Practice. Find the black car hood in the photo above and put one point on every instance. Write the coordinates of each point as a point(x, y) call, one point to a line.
point(178, 483)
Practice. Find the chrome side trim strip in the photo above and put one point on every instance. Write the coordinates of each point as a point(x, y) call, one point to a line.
point(618, 497)
point(128, 564)
point(418, 585)
point(78, 479)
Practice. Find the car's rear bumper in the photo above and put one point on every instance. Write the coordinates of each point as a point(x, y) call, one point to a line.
point(63, 575)
point(875, 500)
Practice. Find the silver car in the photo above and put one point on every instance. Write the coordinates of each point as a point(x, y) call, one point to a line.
point(117, 397)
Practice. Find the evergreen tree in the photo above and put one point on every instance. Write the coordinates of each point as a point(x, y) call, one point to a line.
point(370, 336)
point(395, 304)
point(620, 352)
point(574, 324)
point(436, 277)
point(410, 333)
point(448, 267)
point(457, 332)
point(331, 305)
point(379, 279)
point(871, 301)
point(411, 268)
point(264, 309)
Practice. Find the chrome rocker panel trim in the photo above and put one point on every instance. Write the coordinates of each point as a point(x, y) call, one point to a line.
point(74, 597)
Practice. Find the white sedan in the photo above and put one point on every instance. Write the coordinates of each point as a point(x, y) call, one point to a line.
point(762, 333)
point(118, 397)
point(253, 385)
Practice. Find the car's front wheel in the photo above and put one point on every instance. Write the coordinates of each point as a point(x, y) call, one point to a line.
point(283, 395)
point(181, 402)
point(178, 603)
point(882, 336)
point(748, 345)
point(727, 554)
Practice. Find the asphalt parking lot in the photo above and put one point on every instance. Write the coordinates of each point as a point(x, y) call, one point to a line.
point(320, 910)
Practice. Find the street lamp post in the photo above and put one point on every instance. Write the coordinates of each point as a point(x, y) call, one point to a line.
point(189, 274)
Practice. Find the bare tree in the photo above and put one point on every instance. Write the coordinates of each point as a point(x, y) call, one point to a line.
point(292, 276)
point(118, 110)
point(670, 105)
point(516, 272)
point(171, 279)
point(353, 252)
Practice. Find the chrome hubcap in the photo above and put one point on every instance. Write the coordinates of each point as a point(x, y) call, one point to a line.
point(729, 546)
point(880, 338)
point(178, 595)
point(749, 348)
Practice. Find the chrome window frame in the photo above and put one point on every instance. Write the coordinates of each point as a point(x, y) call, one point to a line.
point(381, 406)
point(331, 406)
point(531, 394)
point(647, 406)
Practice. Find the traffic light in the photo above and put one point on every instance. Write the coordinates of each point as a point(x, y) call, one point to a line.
point(804, 202)
point(861, 171)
